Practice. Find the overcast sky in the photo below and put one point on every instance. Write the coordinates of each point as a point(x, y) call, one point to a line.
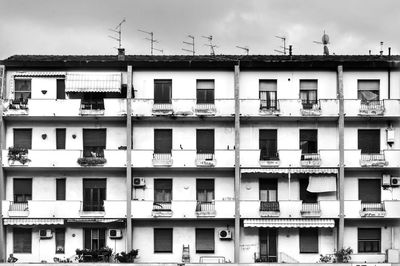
point(82, 26)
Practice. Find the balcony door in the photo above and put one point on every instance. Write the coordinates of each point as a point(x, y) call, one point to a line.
point(369, 190)
point(268, 189)
point(94, 194)
point(94, 142)
point(308, 93)
point(23, 138)
point(268, 94)
point(162, 91)
point(162, 140)
point(205, 190)
point(369, 141)
point(268, 243)
point(205, 141)
point(308, 141)
point(162, 190)
point(22, 190)
point(268, 144)
point(93, 101)
point(305, 195)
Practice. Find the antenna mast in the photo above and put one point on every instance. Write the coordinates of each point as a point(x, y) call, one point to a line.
point(284, 45)
point(246, 48)
point(191, 44)
point(325, 42)
point(152, 41)
point(117, 30)
point(211, 45)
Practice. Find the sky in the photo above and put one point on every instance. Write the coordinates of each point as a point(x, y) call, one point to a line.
point(82, 27)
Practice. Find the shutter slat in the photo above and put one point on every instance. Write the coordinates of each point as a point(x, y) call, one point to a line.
point(94, 137)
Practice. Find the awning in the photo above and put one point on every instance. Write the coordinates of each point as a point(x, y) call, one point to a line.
point(292, 170)
point(31, 221)
point(95, 220)
point(289, 223)
point(93, 82)
point(39, 74)
point(324, 183)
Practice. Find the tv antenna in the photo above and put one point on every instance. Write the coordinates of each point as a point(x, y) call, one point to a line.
point(191, 44)
point(246, 48)
point(152, 41)
point(284, 45)
point(325, 42)
point(211, 45)
point(117, 30)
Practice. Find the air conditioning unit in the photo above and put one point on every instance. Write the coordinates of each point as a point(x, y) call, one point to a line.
point(395, 181)
point(139, 182)
point(386, 180)
point(390, 135)
point(225, 234)
point(45, 233)
point(115, 233)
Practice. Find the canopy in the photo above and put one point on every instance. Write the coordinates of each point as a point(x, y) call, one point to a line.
point(289, 223)
point(95, 220)
point(39, 74)
point(32, 221)
point(293, 170)
point(322, 183)
point(93, 82)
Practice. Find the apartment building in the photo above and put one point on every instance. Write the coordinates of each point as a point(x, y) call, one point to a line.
point(210, 159)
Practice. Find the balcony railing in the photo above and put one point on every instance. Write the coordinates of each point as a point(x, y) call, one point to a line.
point(16, 107)
point(162, 108)
point(372, 108)
point(269, 160)
point(205, 209)
point(92, 206)
point(373, 160)
point(310, 160)
point(310, 108)
point(205, 109)
point(269, 107)
point(162, 159)
point(269, 209)
point(18, 209)
point(93, 107)
point(162, 209)
point(264, 257)
point(376, 209)
point(310, 210)
point(205, 160)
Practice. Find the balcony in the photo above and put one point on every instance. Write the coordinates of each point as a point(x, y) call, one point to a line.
point(162, 109)
point(269, 160)
point(310, 160)
point(372, 209)
point(162, 209)
point(269, 107)
point(162, 159)
point(372, 108)
point(269, 209)
point(310, 108)
point(205, 109)
point(310, 210)
point(92, 107)
point(205, 209)
point(205, 160)
point(16, 107)
point(373, 160)
point(92, 209)
point(18, 209)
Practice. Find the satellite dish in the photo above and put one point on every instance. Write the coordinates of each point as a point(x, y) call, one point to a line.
point(325, 39)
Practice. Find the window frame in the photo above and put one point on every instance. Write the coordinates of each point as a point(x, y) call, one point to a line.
point(211, 232)
point(308, 233)
point(268, 145)
point(304, 131)
point(365, 149)
point(101, 232)
point(61, 186)
point(163, 191)
point(205, 190)
point(376, 91)
point(157, 233)
point(209, 96)
point(15, 137)
point(379, 241)
point(22, 92)
point(158, 134)
point(60, 239)
point(25, 235)
point(201, 147)
point(162, 83)
point(271, 95)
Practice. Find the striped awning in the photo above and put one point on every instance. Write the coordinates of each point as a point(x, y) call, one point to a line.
point(39, 74)
point(291, 170)
point(95, 220)
point(285, 223)
point(32, 221)
point(93, 82)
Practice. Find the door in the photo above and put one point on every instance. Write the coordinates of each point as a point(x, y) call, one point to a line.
point(60, 88)
point(268, 243)
point(94, 194)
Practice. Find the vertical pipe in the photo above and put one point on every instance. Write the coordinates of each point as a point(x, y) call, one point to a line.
point(289, 188)
point(389, 83)
point(341, 158)
point(237, 165)
point(128, 162)
point(2, 184)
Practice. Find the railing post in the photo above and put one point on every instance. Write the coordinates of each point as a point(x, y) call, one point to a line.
point(129, 161)
point(237, 164)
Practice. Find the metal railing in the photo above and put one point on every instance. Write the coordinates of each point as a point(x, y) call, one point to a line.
point(205, 156)
point(265, 156)
point(378, 206)
point(162, 107)
point(269, 206)
point(162, 206)
point(92, 104)
point(162, 158)
point(205, 108)
point(264, 257)
point(373, 157)
point(18, 206)
point(310, 208)
point(372, 107)
point(271, 105)
point(205, 206)
point(310, 157)
point(92, 206)
point(310, 105)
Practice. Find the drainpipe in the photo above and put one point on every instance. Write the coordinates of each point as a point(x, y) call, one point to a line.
point(129, 162)
point(2, 187)
point(341, 158)
point(237, 165)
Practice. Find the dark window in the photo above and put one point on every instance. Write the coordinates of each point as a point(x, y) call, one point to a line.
point(93, 101)
point(162, 240)
point(268, 92)
point(22, 89)
point(308, 240)
point(162, 91)
point(22, 190)
point(94, 194)
point(205, 91)
point(205, 240)
point(308, 93)
point(23, 138)
point(60, 88)
point(95, 238)
point(94, 142)
point(369, 239)
point(305, 195)
point(369, 140)
point(369, 190)
point(162, 140)
point(60, 187)
point(268, 189)
point(205, 141)
point(268, 250)
point(268, 144)
point(205, 190)
point(60, 240)
point(162, 190)
point(308, 141)
point(368, 90)
point(22, 238)
point(60, 138)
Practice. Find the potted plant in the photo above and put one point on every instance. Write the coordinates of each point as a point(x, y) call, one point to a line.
point(127, 257)
point(91, 161)
point(18, 154)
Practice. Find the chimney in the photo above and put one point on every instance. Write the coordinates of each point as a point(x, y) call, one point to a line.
point(389, 51)
point(121, 54)
point(381, 51)
point(290, 50)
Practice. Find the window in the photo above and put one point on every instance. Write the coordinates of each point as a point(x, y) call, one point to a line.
point(308, 240)
point(268, 144)
point(308, 93)
point(22, 190)
point(94, 142)
point(162, 140)
point(162, 190)
point(305, 195)
point(369, 141)
point(205, 91)
point(60, 138)
point(162, 240)
point(205, 190)
point(268, 91)
point(60, 88)
point(22, 89)
point(368, 90)
point(94, 194)
point(369, 190)
point(95, 238)
point(162, 91)
point(268, 189)
point(23, 138)
point(369, 239)
point(205, 240)
point(60, 187)
point(308, 141)
point(60, 240)
point(93, 101)
point(22, 238)
point(205, 141)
